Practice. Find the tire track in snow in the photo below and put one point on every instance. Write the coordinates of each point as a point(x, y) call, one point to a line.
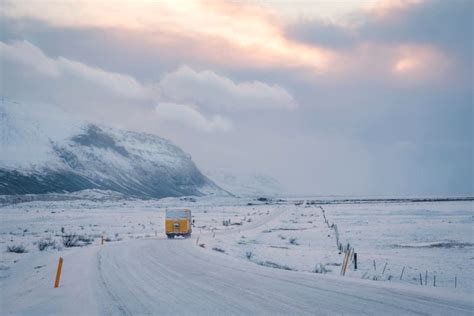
point(116, 301)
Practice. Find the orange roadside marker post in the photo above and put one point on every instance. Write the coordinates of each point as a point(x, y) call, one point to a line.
point(58, 272)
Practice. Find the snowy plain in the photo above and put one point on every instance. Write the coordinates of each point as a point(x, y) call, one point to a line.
point(286, 239)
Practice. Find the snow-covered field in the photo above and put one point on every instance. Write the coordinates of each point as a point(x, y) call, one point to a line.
point(429, 238)
point(434, 239)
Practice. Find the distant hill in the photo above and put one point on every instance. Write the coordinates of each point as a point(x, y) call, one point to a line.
point(246, 185)
point(44, 150)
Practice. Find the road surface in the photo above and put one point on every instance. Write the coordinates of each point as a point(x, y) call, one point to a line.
point(159, 276)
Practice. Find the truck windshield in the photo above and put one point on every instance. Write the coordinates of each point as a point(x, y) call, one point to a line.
point(174, 214)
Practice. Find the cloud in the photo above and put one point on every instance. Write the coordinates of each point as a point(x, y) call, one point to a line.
point(416, 59)
point(26, 61)
point(189, 116)
point(210, 90)
point(33, 75)
point(244, 36)
point(30, 56)
point(218, 31)
point(119, 84)
point(383, 9)
point(405, 64)
point(445, 24)
point(27, 74)
point(319, 32)
point(402, 41)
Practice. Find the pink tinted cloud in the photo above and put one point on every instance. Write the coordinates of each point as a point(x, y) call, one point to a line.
point(216, 30)
point(236, 35)
point(394, 63)
point(389, 8)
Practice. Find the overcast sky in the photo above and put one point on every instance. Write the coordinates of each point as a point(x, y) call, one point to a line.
point(329, 97)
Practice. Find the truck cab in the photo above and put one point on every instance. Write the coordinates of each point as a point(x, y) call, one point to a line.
point(178, 223)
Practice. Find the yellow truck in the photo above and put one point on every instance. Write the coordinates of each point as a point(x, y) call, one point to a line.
point(178, 223)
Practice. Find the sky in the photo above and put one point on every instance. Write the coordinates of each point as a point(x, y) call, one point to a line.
point(353, 97)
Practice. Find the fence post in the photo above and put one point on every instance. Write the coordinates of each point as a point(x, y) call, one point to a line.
point(403, 270)
point(351, 252)
point(58, 272)
point(344, 262)
point(384, 267)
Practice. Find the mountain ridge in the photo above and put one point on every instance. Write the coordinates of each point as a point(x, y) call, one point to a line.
point(90, 156)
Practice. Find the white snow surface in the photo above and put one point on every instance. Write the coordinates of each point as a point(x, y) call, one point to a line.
point(245, 184)
point(27, 132)
point(137, 271)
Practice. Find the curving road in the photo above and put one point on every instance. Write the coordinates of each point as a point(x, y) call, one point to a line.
point(169, 277)
point(176, 277)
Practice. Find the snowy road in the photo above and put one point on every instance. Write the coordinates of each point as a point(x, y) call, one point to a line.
point(173, 277)
point(158, 276)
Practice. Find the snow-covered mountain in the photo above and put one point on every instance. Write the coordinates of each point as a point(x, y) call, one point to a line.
point(246, 184)
point(45, 150)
